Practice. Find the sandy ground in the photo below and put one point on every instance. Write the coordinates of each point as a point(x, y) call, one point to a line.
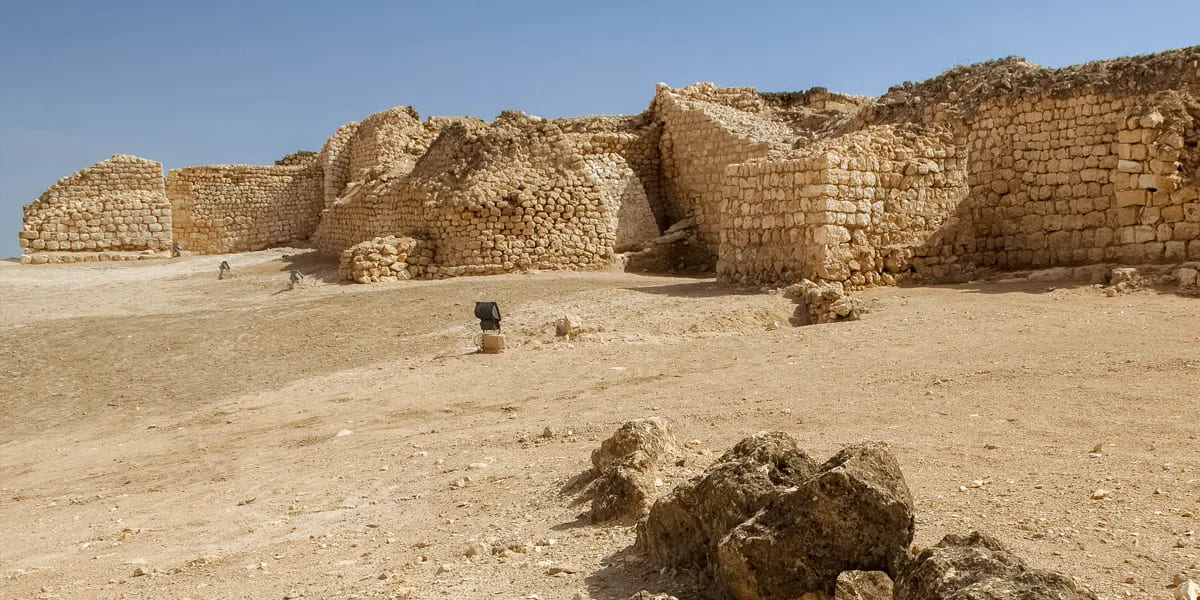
point(237, 440)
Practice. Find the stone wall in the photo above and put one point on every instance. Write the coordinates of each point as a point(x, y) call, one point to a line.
point(517, 194)
point(997, 165)
point(621, 153)
point(841, 210)
point(1084, 178)
point(514, 195)
point(117, 204)
point(363, 162)
point(238, 208)
point(335, 162)
point(696, 146)
point(1010, 166)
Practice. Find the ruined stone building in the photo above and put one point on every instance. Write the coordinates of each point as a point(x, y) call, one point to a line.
point(999, 165)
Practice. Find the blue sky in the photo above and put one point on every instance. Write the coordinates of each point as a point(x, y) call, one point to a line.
point(191, 83)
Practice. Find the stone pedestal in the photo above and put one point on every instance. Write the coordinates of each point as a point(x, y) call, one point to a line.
point(493, 343)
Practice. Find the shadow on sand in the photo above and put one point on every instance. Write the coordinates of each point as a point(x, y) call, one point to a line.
point(626, 572)
point(707, 288)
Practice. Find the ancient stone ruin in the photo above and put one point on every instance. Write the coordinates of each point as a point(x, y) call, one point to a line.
point(999, 165)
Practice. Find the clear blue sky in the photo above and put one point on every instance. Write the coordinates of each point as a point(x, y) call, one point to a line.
point(191, 83)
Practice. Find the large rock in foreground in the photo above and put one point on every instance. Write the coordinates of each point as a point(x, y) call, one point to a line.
point(683, 529)
point(856, 513)
point(978, 567)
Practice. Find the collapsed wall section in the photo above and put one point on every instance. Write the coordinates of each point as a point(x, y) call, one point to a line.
point(520, 193)
point(238, 208)
point(117, 204)
point(512, 195)
point(365, 164)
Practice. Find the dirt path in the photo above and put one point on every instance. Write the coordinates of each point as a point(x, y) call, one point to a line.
point(252, 443)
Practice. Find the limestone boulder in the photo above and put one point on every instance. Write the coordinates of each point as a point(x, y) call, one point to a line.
point(978, 567)
point(651, 436)
point(863, 585)
point(623, 493)
point(621, 483)
point(856, 513)
point(683, 528)
point(825, 302)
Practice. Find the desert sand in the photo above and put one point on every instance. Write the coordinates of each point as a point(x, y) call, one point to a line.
point(165, 434)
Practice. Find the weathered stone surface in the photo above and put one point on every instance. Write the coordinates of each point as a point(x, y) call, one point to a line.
point(388, 258)
point(624, 492)
point(1188, 590)
point(567, 326)
point(822, 303)
point(621, 483)
point(115, 205)
point(683, 529)
point(238, 208)
point(644, 595)
point(650, 436)
point(978, 567)
point(997, 166)
point(863, 585)
point(856, 513)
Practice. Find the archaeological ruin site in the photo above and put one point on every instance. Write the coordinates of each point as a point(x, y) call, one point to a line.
point(999, 165)
point(198, 403)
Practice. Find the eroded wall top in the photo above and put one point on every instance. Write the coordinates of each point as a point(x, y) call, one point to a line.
point(118, 204)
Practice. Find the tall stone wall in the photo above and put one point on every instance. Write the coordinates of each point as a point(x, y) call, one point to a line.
point(238, 208)
point(621, 153)
point(519, 193)
point(1012, 166)
point(632, 219)
point(1084, 178)
point(335, 162)
point(998, 165)
point(379, 207)
point(117, 204)
point(363, 162)
point(696, 146)
point(842, 210)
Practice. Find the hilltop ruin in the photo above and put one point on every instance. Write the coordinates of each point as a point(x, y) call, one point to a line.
point(999, 165)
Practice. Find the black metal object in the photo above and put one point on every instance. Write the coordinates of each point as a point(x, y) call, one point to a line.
point(488, 314)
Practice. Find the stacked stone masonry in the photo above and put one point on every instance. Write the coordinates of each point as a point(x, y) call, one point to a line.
point(1080, 179)
point(1001, 165)
point(516, 194)
point(696, 147)
point(115, 205)
point(844, 210)
point(241, 208)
